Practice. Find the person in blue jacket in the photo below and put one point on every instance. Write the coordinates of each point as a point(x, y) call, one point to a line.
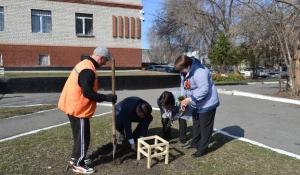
point(200, 92)
point(129, 110)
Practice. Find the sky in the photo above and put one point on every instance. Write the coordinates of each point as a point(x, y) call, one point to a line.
point(149, 7)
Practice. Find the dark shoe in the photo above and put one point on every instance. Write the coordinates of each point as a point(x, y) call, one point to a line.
point(121, 139)
point(187, 147)
point(197, 154)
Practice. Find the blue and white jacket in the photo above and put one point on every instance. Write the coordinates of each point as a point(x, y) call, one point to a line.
point(202, 91)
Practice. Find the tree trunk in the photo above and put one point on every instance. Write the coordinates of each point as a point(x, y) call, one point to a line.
point(291, 82)
point(235, 69)
point(297, 67)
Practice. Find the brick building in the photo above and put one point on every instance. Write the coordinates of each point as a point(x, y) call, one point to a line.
point(57, 34)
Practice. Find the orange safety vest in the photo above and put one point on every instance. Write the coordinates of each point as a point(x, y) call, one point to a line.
point(71, 100)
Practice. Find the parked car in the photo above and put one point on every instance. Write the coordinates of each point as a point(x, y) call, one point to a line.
point(247, 72)
point(263, 72)
point(171, 69)
point(276, 73)
point(161, 68)
point(213, 72)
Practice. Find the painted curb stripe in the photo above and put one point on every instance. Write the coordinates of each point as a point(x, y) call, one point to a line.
point(38, 130)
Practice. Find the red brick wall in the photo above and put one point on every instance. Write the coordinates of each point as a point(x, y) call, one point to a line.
point(62, 56)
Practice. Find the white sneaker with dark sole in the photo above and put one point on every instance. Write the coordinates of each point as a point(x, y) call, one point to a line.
point(87, 161)
point(83, 169)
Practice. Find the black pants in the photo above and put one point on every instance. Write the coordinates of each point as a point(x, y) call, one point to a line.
point(81, 136)
point(140, 130)
point(167, 130)
point(202, 130)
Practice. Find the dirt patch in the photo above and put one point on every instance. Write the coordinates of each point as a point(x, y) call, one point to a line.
point(285, 94)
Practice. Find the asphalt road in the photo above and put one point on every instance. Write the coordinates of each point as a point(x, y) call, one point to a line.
point(274, 124)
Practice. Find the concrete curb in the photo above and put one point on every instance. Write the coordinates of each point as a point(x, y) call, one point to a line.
point(271, 82)
point(264, 97)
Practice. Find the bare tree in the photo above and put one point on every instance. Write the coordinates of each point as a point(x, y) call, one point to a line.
point(194, 24)
point(291, 3)
point(297, 46)
point(283, 21)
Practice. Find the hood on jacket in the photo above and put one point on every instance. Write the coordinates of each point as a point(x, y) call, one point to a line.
point(195, 65)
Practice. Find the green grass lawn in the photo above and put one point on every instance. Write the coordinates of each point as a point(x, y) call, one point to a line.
point(10, 112)
point(48, 152)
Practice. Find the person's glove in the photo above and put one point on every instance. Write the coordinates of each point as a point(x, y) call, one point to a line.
point(133, 147)
point(111, 98)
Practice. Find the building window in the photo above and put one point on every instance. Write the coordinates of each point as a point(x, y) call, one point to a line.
point(41, 21)
point(84, 57)
point(1, 19)
point(44, 60)
point(84, 24)
point(1, 63)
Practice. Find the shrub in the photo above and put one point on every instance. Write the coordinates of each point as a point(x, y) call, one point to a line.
point(228, 77)
point(180, 98)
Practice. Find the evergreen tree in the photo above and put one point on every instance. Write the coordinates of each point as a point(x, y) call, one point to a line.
point(221, 54)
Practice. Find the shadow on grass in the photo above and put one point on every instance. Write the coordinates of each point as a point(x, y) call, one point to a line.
point(172, 156)
point(218, 140)
point(174, 133)
point(104, 154)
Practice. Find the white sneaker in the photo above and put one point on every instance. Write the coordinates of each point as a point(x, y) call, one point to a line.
point(87, 161)
point(83, 169)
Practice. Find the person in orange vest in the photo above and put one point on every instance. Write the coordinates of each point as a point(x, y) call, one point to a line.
point(78, 100)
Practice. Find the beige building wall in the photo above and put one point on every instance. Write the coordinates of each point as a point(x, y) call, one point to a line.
point(17, 19)
point(21, 48)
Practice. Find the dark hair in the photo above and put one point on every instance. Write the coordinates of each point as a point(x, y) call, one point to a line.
point(183, 62)
point(166, 98)
point(145, 108)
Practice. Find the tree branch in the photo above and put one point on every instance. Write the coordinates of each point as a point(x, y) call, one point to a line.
point(297, 6)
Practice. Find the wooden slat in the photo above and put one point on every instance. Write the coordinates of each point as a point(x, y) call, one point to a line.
point(159, 148)
point(144, 153)
point(158, 154)
point(148, 138)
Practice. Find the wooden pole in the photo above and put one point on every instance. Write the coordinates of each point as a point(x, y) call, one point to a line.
point(113, 109)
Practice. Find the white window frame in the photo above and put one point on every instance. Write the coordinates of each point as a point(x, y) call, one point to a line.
point(41, 20)
point(41, 62)
point(2, 21)
point(83, 18)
